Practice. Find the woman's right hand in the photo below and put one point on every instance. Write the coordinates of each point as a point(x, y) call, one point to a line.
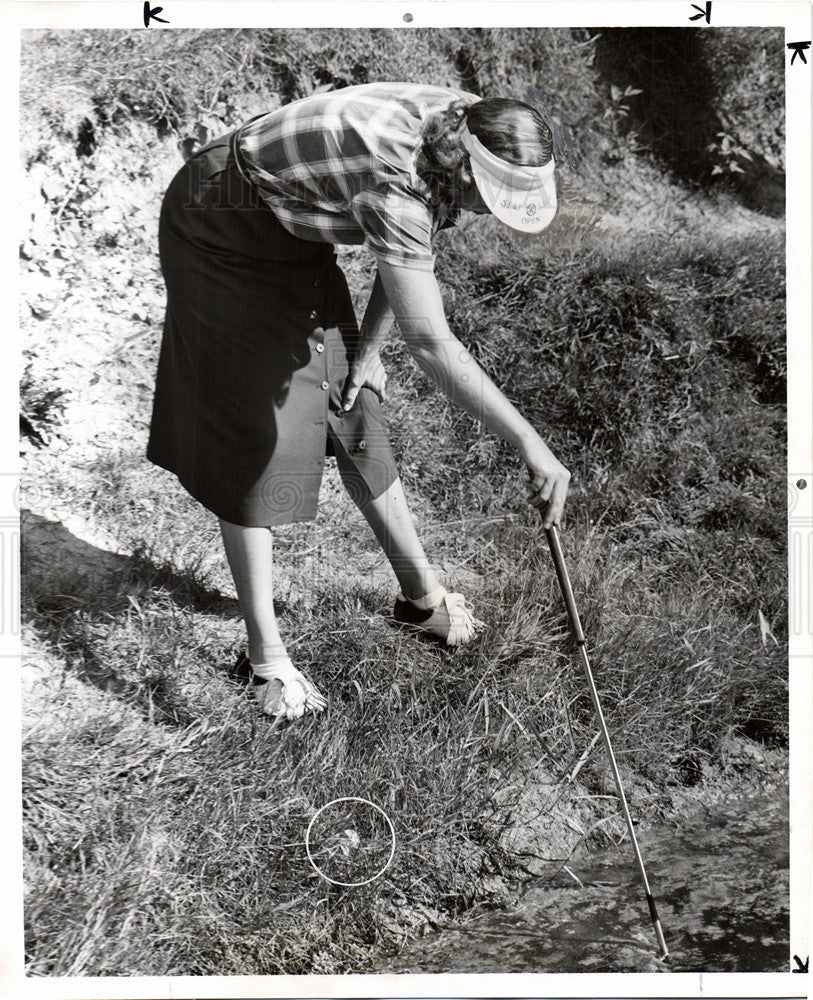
point(366, 370)
point(549, 481)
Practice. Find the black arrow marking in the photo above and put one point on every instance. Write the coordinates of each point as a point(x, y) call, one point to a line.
point(151, 14)
point(799, 49)
point(703, 13)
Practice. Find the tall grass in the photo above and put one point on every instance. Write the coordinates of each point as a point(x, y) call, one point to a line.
point(658, 373)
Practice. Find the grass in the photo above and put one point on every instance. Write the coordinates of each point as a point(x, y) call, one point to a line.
point(184, 812)
point(165, 817)
point(184, 807)
point(205, 77)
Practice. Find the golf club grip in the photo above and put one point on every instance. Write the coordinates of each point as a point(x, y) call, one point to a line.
point(564, 582)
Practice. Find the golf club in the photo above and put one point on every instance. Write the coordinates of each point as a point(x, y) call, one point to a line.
point(578, 635)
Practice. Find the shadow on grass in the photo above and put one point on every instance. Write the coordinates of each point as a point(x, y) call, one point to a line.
point(119, 620)
point(678, 84)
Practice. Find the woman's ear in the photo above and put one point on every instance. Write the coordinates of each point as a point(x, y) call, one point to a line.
point(466, 176)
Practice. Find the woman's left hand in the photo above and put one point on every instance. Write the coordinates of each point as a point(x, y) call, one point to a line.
point(366, 370)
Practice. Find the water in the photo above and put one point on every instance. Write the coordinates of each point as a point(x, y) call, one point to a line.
point(720, 879)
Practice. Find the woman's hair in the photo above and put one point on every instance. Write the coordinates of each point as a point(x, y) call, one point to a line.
point(509, 128)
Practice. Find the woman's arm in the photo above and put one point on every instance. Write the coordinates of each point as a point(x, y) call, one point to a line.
point(416, 302)
point(378, 319)
point(366, 368)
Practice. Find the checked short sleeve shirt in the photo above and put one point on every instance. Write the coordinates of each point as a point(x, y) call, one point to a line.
point(340, 167)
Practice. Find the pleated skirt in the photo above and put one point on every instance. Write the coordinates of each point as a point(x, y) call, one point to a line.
point(258, 336)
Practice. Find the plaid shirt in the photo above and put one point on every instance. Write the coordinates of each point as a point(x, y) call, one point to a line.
point(340, 167)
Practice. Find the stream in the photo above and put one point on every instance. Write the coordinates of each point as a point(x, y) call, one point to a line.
point(720, 879)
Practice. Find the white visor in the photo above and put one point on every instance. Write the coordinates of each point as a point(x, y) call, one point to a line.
point(522, 197)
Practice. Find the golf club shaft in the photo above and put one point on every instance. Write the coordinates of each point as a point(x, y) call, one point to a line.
point(578, 633)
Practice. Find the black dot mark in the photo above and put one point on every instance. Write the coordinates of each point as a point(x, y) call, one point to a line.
point(407, 17)
point(801, 483)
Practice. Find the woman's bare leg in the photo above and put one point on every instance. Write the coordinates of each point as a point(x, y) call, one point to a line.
point(446, 614)
point(286, 692)
point(390, 518)
point(250, 555)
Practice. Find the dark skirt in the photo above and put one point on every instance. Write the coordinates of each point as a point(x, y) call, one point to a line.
point(258, 334)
